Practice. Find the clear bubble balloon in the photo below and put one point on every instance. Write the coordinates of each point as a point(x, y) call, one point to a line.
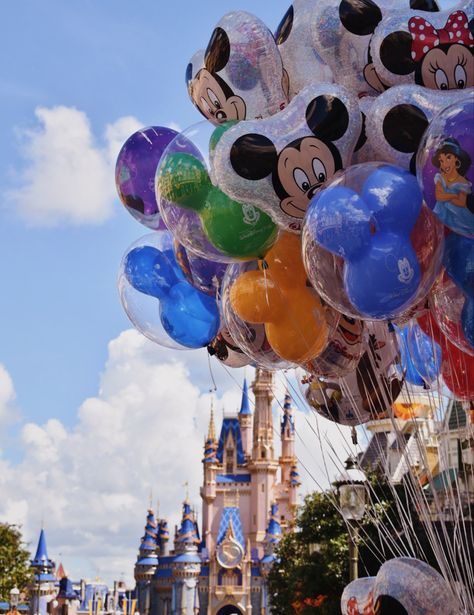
point(370, 247)
point(227, 351)
point(158, 299)
point(135, 173)
point(202, 273)
point(199, 215)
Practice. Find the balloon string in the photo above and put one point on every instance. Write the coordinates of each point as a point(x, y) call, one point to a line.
point(212, 389)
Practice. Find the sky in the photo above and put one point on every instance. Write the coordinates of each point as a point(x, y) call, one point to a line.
point(92, 415)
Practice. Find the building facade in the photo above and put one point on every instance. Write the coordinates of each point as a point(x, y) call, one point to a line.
point(249, 497)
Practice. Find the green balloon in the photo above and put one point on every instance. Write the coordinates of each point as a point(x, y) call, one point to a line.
point(238, 230)
point(183, 179)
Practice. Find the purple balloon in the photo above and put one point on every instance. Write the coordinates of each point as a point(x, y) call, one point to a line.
point(203, 274)
point(135, 173)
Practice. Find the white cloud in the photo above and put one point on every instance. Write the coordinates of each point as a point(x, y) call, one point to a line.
point(143, 430)
point(68, 176)
point(7, 397)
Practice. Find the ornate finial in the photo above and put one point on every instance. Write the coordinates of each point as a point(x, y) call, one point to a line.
point(150, 505)
point(186, 486)
point(212, 428)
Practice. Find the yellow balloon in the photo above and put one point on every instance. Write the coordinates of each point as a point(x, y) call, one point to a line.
point(277, 295)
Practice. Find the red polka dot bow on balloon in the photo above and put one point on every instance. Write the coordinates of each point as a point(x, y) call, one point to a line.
point(426, 37)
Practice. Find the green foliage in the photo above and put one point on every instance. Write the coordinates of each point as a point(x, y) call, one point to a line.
point(14, 561)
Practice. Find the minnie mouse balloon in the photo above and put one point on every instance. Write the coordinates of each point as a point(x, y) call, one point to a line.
point(435, 51)
point(445, 166)
point(135, 173)
point(240, 74)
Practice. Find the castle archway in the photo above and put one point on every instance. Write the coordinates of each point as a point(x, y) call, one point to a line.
point(229, 609)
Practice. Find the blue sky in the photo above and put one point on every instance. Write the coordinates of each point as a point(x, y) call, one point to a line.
point(88, 419)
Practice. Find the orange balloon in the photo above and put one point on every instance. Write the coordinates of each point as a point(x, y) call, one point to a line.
point(277, 295)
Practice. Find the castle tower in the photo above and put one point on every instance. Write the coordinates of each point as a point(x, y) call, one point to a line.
point(147, 562)
point(245, 420)
point(42, 588)
point(263, 466)
point(186, 566)
point(287, 434)
point(272, 538)
point(67, 601)
point(163, 538)
point(208, 489)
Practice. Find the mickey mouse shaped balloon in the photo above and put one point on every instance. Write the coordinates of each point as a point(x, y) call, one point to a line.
point(370, 228)
point(240, 75)
point(399, 117)
point(435, 51)
point(342, 31)
point(159, 300)
point(301, 60)
point(279, 163)
point(278, 296)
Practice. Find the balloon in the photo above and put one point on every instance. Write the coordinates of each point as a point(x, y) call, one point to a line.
point(344, 349)
point(342, 33)
point(135, 173)
point(187, 316)
point(370, 228)
point(445, 166)
point(407, 45)
point(301, 61)
point(459, 264)
point(457, 367)
point(357, 598)
point(240, 75)
point(250, 337)
point(277, 295)
point(405, 585)
point(226, 350)
point(421, 355)
point(278, 163)
point(202, 273)
point(233, 230)
point(368, 392)
point(399, 117)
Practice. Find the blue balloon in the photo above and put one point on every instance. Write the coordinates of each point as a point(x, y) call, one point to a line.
point(189, 316)
point(420, 354)
point(458, 260)
point(371, 231)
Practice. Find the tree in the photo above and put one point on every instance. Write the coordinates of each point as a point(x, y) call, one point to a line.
point(14, 561)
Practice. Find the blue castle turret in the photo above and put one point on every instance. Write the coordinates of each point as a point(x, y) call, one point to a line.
point(186, 565)
point(272, 538)
point(147, 562)
point(42, 588)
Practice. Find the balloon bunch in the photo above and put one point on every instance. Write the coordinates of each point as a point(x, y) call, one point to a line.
point(322, 206)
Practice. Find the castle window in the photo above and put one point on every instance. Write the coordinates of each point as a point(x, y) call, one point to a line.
point(229, 464)
point(264, 454)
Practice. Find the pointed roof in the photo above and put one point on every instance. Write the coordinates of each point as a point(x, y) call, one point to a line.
point(245, 406)
point(163, 532)
point(230, 425)
point(288, 420)
point(41, 559)
point(147, 553)
point(210, 446)
point(66, 590)
point(294, 476)
point(60, 572)
point(187, 531)
point(273, 533)
point(211, 434)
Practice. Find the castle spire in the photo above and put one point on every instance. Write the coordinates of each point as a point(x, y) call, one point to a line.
point(41, 562)
point(245, 406)
point(146, 564)
point(211, 434)
point(245, 420)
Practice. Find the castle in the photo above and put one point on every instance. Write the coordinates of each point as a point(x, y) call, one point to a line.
point(249, 498)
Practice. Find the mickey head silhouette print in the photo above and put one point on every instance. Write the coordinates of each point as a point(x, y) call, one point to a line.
point(279, 163)
point(240, 74)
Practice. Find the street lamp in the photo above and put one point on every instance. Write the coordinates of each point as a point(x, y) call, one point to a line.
point(14, 597)
point(351, 486)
